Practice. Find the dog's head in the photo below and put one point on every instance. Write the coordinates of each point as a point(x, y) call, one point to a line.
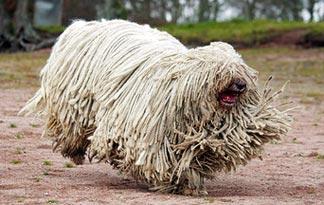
point(221, 116)
point(212, 78)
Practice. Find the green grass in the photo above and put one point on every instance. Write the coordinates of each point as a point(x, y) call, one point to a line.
point(47, 163)
point(19, 150)
point(69, 165)
point(16, 161)
point(12, 125)
point(320, 157)
point(52, 201)
point(19, 136)
point(38, 179)
point(34, 125)
point(237, 31)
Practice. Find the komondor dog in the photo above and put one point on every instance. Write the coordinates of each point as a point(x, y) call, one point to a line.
point(137, 98)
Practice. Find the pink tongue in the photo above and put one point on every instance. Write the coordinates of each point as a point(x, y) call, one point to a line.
point(229, 98)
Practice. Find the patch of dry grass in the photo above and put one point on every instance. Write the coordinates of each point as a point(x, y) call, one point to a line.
point(296, 141)
point(320, 156)
point(21, 70)
point(316, 94)
point(303, 68)
point(19, 151)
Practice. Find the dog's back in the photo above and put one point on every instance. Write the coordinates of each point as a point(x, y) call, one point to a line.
point(73, 83)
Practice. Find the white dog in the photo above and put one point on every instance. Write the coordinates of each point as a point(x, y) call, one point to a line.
point(137, 98)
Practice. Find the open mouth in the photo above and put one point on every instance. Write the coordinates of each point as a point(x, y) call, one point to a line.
point(230, 95)
point(228, 98)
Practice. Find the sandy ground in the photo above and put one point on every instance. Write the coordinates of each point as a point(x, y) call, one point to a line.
point(291, 172)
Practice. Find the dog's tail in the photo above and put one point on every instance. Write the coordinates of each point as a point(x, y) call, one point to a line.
point(34, 105)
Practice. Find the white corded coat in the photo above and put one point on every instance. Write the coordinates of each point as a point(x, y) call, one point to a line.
point(137, 98)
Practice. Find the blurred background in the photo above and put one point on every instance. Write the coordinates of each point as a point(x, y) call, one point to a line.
point(34, 24)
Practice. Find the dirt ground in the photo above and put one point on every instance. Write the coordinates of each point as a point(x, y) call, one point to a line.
point(292, 171)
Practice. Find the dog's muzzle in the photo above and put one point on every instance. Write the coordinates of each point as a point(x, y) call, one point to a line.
point(230, 95)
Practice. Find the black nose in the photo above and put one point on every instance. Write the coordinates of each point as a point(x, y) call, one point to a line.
point(238, 85)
